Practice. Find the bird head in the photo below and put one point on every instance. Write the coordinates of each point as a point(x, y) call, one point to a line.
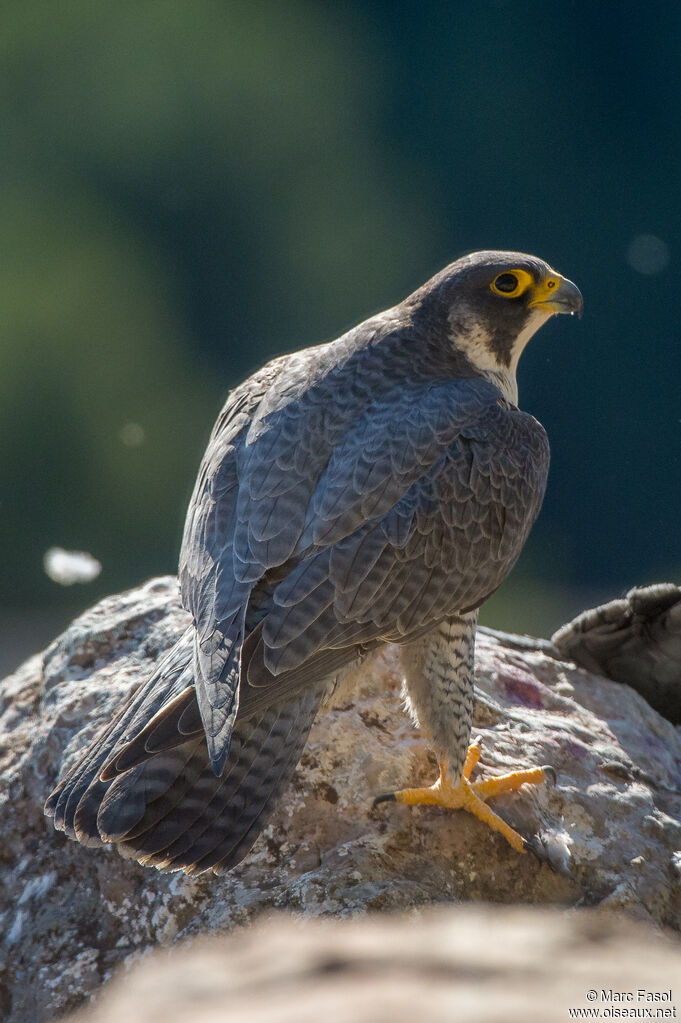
point(494, 302)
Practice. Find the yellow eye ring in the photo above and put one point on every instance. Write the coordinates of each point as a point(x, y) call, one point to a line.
point(511, 283)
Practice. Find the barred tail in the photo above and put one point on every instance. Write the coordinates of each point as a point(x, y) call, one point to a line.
point(168, 809)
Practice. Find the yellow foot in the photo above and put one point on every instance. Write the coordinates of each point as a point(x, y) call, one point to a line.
point(472, 796)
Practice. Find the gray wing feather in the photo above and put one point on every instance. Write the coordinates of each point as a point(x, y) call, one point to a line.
point(360, 512)
point(211, 590)
point(458, 528)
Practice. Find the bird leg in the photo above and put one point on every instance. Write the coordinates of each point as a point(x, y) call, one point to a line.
point(472, 796)
point(438, 672)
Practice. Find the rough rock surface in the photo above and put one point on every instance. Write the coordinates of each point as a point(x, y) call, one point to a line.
point(482, 964)
point(634, 639)
point(69, 916)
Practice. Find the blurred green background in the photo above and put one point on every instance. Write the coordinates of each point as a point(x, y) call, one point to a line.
point(190, 187)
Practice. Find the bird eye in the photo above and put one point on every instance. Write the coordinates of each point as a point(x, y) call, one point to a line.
point(506, 282)
point(511, 283)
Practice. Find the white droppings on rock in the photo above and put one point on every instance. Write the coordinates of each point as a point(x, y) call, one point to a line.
point(17, 927)
point(85, 963)
point(37, 887)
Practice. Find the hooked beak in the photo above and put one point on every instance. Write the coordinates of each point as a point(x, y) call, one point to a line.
point(557, 295)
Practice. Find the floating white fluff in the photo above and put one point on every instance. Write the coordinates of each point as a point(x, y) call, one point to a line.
point(69, 567)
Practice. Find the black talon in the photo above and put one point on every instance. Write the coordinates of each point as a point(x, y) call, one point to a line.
point(550, 772)
point(387, 797)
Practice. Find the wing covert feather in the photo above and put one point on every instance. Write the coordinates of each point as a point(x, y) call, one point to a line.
point(446, 544)
point(379, 509)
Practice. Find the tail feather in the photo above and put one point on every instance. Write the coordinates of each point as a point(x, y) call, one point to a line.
point(236, 844)
point(170, 801)
point(148, 788)
point(176, 721)
point(262, 770)
point(167, 681)
point(157, 784)
point(79, 815)
point(166, 820)
point(262, 757)
point(194, 809)
point(87, 814)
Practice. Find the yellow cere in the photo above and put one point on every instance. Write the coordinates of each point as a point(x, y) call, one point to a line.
point(545, 291)
point(511, 283)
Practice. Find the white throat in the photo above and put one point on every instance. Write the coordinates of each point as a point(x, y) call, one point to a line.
point(506, 381)
point(474, 342)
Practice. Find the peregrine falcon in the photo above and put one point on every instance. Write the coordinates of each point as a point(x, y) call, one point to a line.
point(376, 489)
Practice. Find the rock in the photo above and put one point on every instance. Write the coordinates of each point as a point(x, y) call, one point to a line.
point(69, 915)
point(635, 639)
point(484, 964)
